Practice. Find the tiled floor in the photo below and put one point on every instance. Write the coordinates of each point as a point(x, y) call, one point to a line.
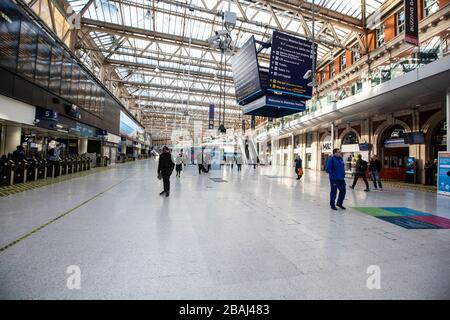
point(262, 234)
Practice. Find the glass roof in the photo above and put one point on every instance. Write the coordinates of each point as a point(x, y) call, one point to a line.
point(164, 43)
point(349, 7)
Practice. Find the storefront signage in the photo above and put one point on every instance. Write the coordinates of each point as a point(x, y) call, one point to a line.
point(394, 141)
point(327, 145)
point(350, 148)
point(443, 173)
point(411, 22)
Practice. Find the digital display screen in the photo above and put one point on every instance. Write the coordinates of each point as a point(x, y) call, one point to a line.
point(43, 61)
point(74, 83)
point(246, 73)
point(82, 90)
point(290, 59)
point(26, 62)
point(66, 76)
point(414, 137)
point(9, 34)
point(33, 54)
point(55, 70)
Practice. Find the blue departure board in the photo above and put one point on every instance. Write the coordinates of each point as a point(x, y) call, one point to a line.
point(290, 59)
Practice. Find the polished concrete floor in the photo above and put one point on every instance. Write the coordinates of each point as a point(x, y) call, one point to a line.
point(259, 235)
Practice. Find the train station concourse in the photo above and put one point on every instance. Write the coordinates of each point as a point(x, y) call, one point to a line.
point(224, 150)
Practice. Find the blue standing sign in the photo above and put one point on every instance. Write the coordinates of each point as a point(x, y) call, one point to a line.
point(443, 174)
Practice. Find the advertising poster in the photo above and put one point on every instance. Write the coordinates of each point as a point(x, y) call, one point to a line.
point(443, 173)
point(410, 165)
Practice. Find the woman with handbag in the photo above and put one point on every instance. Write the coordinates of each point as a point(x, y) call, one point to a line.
point(298, 167)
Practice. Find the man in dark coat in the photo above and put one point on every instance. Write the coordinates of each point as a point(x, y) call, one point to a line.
point(361, 169)
point(165, 168)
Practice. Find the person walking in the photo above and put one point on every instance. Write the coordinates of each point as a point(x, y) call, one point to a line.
point(165, 169)
point(428, 173)
point(239, 162)
point(179, 164)
point(207, 161)
point(19, 154)
point(199, 159)
point(335, 168)
point(375, 169)
point(55, 158)
point(361, 169)
point(298, 167)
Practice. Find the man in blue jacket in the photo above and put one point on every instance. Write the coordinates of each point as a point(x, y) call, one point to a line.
point(336, 169)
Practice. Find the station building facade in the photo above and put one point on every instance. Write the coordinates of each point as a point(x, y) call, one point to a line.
point(366, 102)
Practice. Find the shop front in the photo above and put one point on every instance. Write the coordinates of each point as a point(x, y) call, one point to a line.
point(394, 153)
point(326, 151)
point(349, 148)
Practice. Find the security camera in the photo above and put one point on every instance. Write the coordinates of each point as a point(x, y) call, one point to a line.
point(221, 32)
point(307, 74)
point(36, 121)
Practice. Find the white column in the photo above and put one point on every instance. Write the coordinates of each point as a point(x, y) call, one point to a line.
point(12, 138)
point(82, 145)
point(448, 119)
point(332, 136)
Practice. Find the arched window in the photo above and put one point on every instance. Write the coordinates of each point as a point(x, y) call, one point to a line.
point(350, 138)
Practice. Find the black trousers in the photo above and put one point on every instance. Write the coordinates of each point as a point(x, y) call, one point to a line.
point(360, 175)
point(200, 167)
point(239, 167)
point(166, 181)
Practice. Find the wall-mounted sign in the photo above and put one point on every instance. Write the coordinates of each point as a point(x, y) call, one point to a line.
point(327, 145)
point(211, 117)
point(411, 22)
point(44, 114)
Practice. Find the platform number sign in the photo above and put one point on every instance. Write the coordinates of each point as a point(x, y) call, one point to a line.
point(411, 22)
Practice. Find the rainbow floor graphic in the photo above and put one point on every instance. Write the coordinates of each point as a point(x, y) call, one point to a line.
point(406, 217)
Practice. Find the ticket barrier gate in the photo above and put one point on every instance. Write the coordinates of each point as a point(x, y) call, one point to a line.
point(20, 172)
point(53, 169)
point(69, 163)
point(83, 163)
point(63, 163)
point(6, 172)
point(41, 169)
point(75, 165)
point(32, 170)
